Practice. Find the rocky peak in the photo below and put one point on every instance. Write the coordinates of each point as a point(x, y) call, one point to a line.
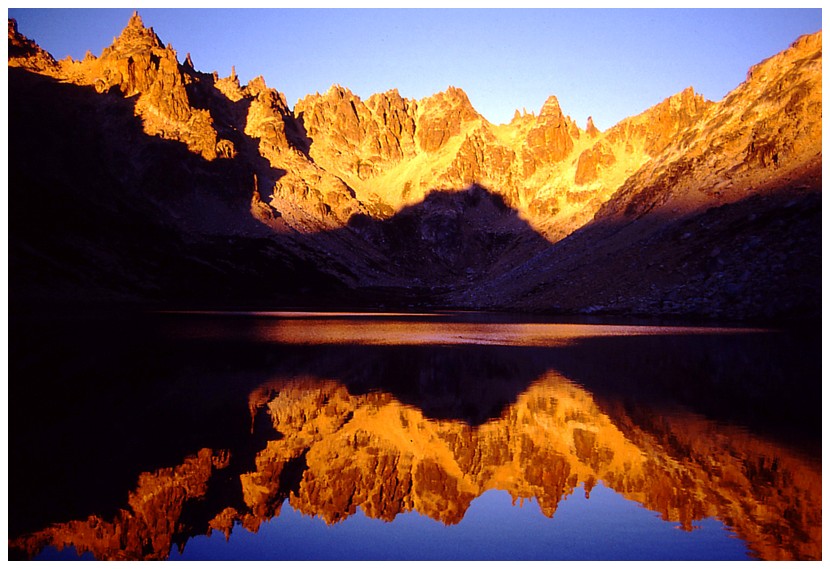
point(521, 118)
point(550, 139)
point(656, 128)
point(591, 129)
point(137, 64)
point(229, 86)
point(256, 85)
point(336, 109)
point(454, 100)
point(551, 109)
point(686, 101)
point(673, 115)
point(24, 52)
point(338, 92)
point(353, 138)
point(135, 22)
point(458, 95)
point(395, 115)
point(387, 100)
point(441, 116)
point(135, 38)
point(13, 33)
point(804, 46)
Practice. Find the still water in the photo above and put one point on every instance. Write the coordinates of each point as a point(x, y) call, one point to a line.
point(403, 436)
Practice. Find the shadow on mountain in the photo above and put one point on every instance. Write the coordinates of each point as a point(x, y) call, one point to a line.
point(118, 215)
point(451, 238)
point(116, 222)
point(757, 259)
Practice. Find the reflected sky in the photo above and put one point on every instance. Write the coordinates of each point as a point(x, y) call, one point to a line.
point(620, 530)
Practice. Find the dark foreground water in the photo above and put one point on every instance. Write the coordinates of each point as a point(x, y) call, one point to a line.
point(442, 436)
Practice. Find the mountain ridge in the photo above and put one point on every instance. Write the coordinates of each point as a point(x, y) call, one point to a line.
point(334, 158)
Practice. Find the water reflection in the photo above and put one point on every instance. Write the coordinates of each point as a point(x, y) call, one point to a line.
point(395, 329)
point(420, 428)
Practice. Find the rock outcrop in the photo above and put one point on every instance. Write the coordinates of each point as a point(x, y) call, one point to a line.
point(442, 117)
point(139, 64)
point(25, 53)
point(550, 139)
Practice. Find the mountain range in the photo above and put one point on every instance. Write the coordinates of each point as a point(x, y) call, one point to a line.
point(136, 178)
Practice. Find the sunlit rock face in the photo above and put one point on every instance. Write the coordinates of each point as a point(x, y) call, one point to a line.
point(442, 117)
point(358, 139)
point(336, 452)
point(767, 132)
point(626, 213)
point(25, 53)
point(717, 195)
point(550, 139)
point(138, 63)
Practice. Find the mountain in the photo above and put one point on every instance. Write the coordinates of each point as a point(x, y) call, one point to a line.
point(133, 177)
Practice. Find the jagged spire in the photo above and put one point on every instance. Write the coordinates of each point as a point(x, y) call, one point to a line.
point(135, 21)
point(188, 62)
point(551, 108)
point(590, 128)
point(135, 37)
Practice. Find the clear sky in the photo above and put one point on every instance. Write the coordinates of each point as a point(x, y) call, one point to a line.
point(604, 63)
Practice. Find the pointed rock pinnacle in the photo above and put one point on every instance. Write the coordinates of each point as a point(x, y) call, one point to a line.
point(590, 128)
point(135, 21)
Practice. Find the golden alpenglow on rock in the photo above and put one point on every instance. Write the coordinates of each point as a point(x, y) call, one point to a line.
point(344, 188)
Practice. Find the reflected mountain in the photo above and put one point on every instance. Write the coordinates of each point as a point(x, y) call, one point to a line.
point(429, 428)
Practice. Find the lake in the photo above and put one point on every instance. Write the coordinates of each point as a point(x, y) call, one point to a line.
point(440, 436)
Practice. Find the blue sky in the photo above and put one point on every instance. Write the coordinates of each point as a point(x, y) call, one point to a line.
point(604, 63)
